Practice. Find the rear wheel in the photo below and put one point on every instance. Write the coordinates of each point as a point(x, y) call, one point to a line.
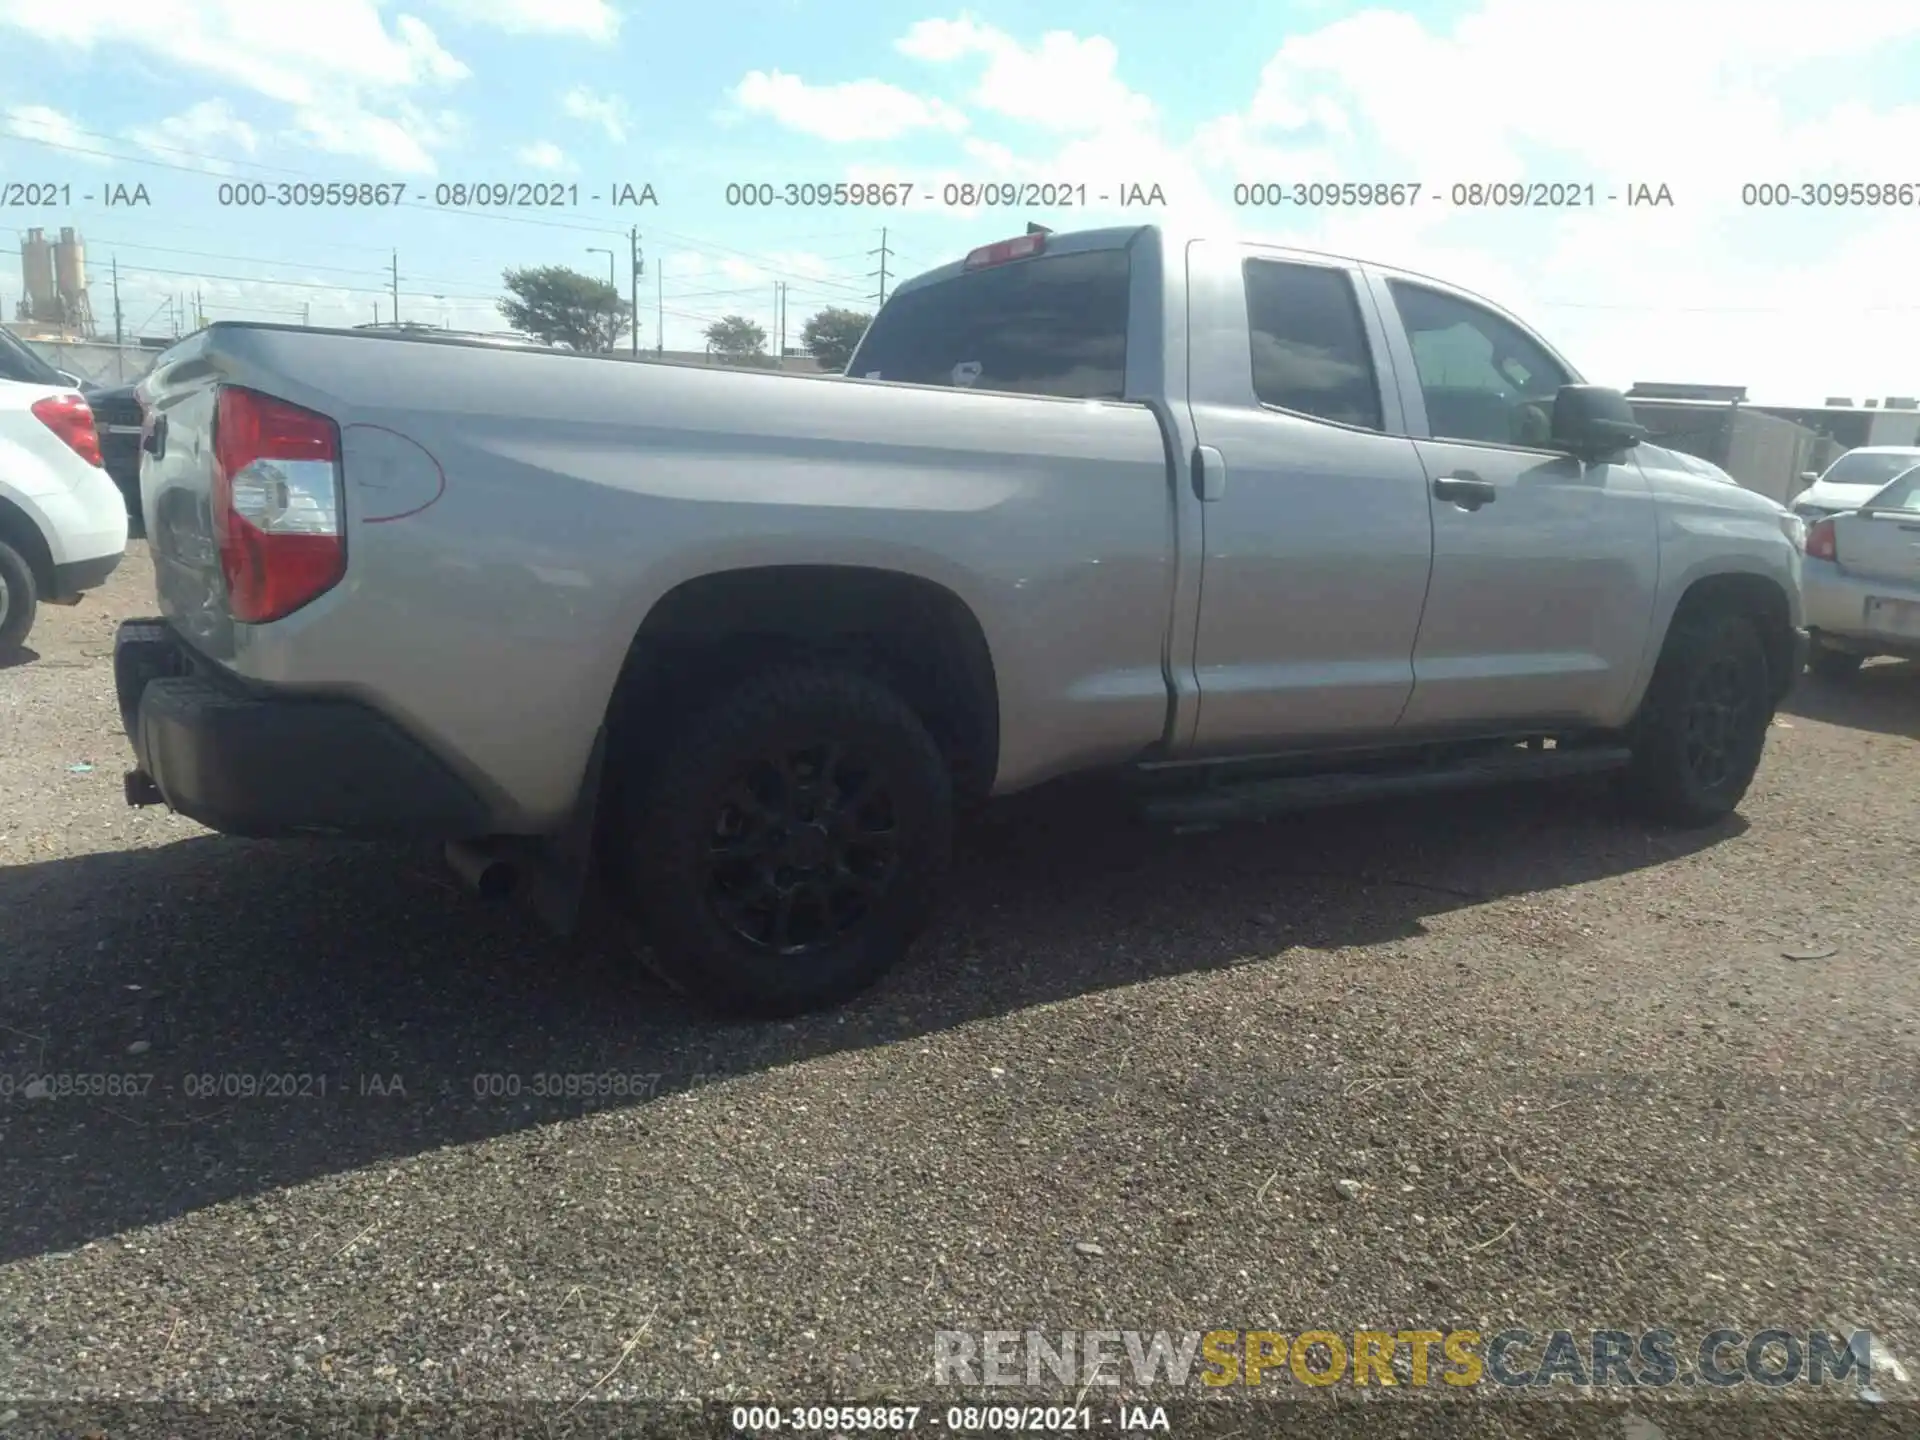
point(790, 843)
point(19, 599)
point(1834, 666)
point(1701, 730)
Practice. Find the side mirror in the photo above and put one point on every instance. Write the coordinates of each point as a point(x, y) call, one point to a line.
point(1593, 422)
point(70, 378)
point(1807, 477)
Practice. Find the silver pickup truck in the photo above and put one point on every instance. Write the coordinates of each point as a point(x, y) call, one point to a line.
point(1253, 527)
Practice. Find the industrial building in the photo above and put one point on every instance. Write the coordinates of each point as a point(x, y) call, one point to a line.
point(1769, 448)
point(1892, 421)
point(54, 304)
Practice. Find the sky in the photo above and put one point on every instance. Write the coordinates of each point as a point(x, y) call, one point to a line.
point(1705, 98)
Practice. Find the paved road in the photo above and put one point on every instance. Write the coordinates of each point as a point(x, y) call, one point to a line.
point(1507, 1060)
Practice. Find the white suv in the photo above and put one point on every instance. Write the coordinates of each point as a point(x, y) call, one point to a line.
point(63, 522)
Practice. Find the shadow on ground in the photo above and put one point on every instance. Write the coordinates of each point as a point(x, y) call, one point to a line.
point(1884, 697)
point(209, 963)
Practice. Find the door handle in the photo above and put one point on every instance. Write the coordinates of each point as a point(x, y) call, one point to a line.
point(1466, 490)
point(1209, 472)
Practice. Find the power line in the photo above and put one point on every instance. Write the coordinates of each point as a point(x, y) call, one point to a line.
point(99, 243)
point(417, 295)
point(451, 289)
point(379, 289)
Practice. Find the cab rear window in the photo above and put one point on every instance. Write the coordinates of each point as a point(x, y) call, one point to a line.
point(1053, 325)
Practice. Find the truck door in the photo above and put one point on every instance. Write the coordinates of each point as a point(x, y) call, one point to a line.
point(1544, 568)
point(1316, 533)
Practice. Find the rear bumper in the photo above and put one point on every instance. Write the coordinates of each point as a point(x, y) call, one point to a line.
point(77, 576)
point(269, 766)
point(1836, 610)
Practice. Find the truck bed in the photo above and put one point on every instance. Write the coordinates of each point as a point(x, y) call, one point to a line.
point(513, 514)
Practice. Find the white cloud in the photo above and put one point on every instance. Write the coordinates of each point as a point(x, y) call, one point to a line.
point(1066, 82)
point(404, 142)
point(192, 136)
point(1795, 305)
point(1704, 290)
point(300, 54)
point(609, 112)
point(51, 127)
point(859, 110)
point(594, 19)
point(339, 66)
point(544, 155)
point(943, 41)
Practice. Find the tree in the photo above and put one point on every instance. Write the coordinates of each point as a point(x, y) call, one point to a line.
point(565, 307)
point(833, 334)
point(738, 341)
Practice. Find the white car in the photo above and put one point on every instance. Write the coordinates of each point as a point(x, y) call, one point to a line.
point(63, 522)
point(1861, 581)
point(1852, 480)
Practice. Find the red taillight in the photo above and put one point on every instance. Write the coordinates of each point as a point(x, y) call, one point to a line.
point(276, 504)
point(71, 418)
point(1821, 542)
point(1002, 251)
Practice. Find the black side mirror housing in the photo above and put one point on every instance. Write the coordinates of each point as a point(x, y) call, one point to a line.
point(1593, 422)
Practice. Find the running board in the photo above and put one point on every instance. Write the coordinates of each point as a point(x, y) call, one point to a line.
point(1255, 799)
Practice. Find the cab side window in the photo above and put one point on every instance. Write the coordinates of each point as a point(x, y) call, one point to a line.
point(1310, 352)
point(1484, 380)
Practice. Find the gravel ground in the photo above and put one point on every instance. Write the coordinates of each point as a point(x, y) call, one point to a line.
point(1510, 1060)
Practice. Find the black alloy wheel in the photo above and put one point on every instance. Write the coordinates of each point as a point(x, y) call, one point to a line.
point(1703, 725)
point(1721, 714)
point(805, 843)
point(789, 843)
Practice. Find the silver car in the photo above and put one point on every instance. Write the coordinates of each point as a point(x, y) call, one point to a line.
point(1861, 580)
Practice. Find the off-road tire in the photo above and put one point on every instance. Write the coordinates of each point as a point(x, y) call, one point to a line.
point(1836, 667)
point(1712, 659)
point(671, 817)
point(22, 599)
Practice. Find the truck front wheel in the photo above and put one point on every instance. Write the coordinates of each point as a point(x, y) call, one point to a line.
point(790, 843)
point(1703, 725)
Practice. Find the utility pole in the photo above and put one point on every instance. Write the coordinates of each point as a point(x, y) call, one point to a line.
point(659, 312)
point(633, 283)
point(119, 337)
point(396, 291)
point(885, 254)
point(780, 316)
point(306, 312)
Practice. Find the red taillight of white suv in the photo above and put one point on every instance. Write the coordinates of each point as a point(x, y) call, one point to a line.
point(71, 418)
point(276, 504)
